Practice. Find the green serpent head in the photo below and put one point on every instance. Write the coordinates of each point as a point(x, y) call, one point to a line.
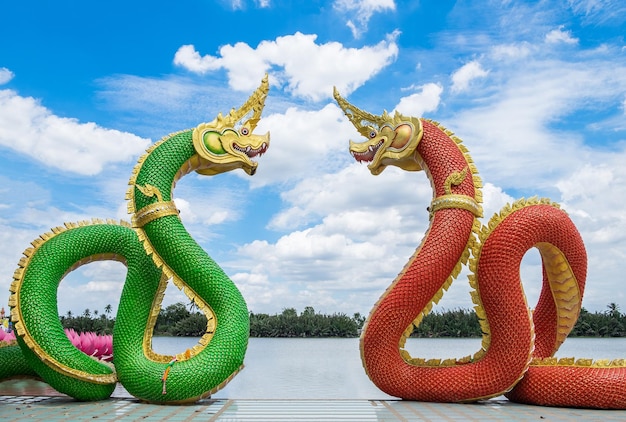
point(227, 143)
point(391, 141)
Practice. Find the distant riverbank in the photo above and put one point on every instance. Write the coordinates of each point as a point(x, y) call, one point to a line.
point(185, 321)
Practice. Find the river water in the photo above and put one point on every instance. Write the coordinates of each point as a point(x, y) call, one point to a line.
point(330, 368)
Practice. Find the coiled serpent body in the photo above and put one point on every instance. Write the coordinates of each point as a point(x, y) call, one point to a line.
point(156, 247)
point(518, 344)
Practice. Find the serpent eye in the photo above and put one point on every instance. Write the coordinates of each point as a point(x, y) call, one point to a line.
point(244, 131)
point(373, 134)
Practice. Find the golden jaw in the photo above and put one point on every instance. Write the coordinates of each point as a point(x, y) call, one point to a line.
point(223, 144)
point(392, 145)
point(244, 148)
point(229, 149)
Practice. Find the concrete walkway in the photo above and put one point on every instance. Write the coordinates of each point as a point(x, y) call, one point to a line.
point(34, 401)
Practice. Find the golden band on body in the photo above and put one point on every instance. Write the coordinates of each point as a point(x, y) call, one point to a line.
point(153, 211)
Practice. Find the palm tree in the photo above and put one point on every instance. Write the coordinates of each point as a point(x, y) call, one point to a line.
point(613, 309)
point(193, 306)
point(107, 311)
point(359, 319)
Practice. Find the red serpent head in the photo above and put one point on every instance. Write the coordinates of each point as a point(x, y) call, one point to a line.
point(391, 141)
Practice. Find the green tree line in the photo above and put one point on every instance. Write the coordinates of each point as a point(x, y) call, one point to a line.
point(464, 323)
point(99, 323)
point(180, 320)
point(307, 324)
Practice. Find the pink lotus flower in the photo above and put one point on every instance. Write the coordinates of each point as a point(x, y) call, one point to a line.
point(92, 344)
point(4, 336)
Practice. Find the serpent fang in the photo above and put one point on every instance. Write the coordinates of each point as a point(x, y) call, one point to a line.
point(518, 345)
point(155, 248)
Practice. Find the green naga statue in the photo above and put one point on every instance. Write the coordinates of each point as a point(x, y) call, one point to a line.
point(155, 248)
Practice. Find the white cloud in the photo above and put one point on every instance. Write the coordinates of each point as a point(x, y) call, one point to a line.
point(494, 198)
point(184, 208)
point(599, 12)
point(511, 51)
point(187, 57)
point(63, 143)
point(518, 121)
point(313, 263)
point(585, 181)
point(594, 197)
point(557, 36)
point(351, 188)
point(203, 212)
point(467, 73)
point(205, 204)
point(308, 70)
point(93, 286)
point(421, 102)
point(347, 234)
point(260, 293)
point(5, 75)
point(303, 143)
point(363, 10)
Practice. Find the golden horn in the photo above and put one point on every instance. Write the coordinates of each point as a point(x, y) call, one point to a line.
point(255, 103)
point(358, 117)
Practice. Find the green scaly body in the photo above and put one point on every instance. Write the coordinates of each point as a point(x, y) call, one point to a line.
point(203, 278)
point(154, 250)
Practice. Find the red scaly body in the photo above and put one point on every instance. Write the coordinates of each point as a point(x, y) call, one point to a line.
point(517, 344)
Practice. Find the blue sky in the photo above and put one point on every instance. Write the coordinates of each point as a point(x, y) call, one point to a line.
point(537, 91)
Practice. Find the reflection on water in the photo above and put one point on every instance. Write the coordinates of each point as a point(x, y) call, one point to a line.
point(595, 348)
point(303, 368)
point(311, 368)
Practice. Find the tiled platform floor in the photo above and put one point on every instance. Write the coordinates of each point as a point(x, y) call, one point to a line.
point(52, 407)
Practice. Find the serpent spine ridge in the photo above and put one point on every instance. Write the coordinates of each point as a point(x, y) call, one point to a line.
point(155, 248)
point(517, 347)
